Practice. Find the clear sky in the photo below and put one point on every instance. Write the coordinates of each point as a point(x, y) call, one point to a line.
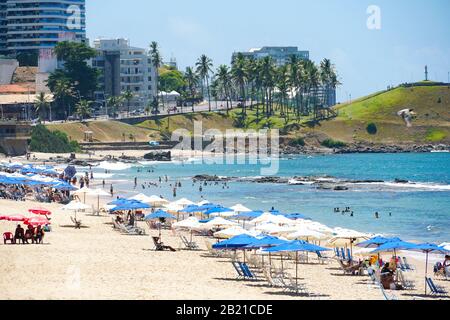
point(413, 33)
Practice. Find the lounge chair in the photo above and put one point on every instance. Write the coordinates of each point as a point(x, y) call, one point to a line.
point(159, 246)
point(131, 231)
point(321, 258)
point(351, 269)
point(389, 297)
point(436, 290)
point(292, 285)
point(76, 222)
point(248, 274)
point(238, 270)
point(8, 237)
point(408, 266)
point(190, 245)
point(342, 254)
point(349, 255)
point(406, 284)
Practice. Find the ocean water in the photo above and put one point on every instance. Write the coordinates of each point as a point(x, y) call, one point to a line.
point(420, 211)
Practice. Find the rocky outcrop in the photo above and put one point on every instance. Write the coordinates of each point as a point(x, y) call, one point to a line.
point(159, 156)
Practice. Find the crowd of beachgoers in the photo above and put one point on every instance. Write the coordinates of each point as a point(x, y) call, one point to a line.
point(276, 250)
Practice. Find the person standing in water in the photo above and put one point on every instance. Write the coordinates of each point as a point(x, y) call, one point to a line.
point(111, 190)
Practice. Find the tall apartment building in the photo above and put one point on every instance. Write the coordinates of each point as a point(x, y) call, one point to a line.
point(33, 25)
point(124, 68)
point(3, 28)
point(280, 55)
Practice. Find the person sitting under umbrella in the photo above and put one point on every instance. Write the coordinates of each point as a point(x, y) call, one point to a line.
point(19, 234)
point(387, 278)
point(29, 234)
point(39, 234)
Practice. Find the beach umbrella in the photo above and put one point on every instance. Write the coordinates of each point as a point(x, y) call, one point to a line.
point(296, 246)
point(239, 208)
point(99, 193)
point(160, 214)
point(191, 209)
point(230, 233)
point(264, 218)
point(83, 191)
point(221, 212)
point(237, 242)
point(156, 201)
point(203, 202)
point(218, 222)
point(134, 205)
point(184, 202)
point(40, 211)
point(428, 248)
point(70, 172)
point(37, 221)
point(445, 245)
point(16, 218)
point(306, 234)
point(64, 186)
point(191, 224)
point(75, 206)
point(248, 215)
point(267, 242)
point(141, 197)
point(375, 242)
point(347, 236)
point(297, 216)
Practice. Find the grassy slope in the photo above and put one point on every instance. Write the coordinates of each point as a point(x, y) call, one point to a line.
point(104, 131)
point(432, 123)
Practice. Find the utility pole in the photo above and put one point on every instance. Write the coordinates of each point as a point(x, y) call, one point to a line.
point(426, 73)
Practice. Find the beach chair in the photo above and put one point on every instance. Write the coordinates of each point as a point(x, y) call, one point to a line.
point(349, 255)
point(436, 290)
point(351, 269)
point(131, 231)
point(294, 287)
point(336, 253)
point(248, 274)
point(388, 297)
point(8, 237)
point(240, 274)
point(408, 266)
point(342, 254)
point(159, 246)
point(190, 245)
point(321, 258)
point(406, 284)
point(77, 223)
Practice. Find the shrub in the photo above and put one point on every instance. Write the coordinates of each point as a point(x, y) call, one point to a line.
point(330, 143)
point(297, 142)
point(372, 128)
point(44, 140)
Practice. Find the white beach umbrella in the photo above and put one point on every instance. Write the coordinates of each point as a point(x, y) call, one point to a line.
point(184, 202)
point(190, 223)
point(203, 202)
point(306, 234)
point(231, 232)
point(99, 193)
point(83, 191)
point(239, 208)
point(76, 206)
point(219, 222)
point(141, 197)
point(156, 201)
point(347, 236)
point(445, 245)
point(173, 207)
point(264, 218)
point(223, 214)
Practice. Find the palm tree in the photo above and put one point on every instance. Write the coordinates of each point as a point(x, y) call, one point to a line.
point(192, 80)
point(268, 83)
point(282, 83)
point(204, 68)
point(114, 102)
point(157, 61)
point(240, 77)
point(83, 109)
point(223, 77)
point(128, 96)
point(63, 92)
point(41, 104)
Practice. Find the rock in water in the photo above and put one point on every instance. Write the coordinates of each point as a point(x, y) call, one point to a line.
point(159, 156)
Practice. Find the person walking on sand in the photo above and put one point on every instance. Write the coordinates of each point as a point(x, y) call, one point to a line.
point(111, 190)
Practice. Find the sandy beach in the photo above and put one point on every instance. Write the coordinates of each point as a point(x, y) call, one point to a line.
point(97, 262)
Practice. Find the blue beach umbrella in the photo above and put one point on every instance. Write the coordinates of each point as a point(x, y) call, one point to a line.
point(296, 246)
point(395, 246)
point(191, 209)
point(218, 210)
point(160, 214)
point(238, 242)
point(131, 206)
point(376, 242)
point(266, 242)
point(297, 216)
point(428, 248)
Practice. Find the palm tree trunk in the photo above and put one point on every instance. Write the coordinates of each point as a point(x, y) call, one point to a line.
point(209, 96)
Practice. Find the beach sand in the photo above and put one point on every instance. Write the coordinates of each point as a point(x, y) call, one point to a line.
point(100, 263)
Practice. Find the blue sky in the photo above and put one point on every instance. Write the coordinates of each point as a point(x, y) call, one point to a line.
point(413, 33)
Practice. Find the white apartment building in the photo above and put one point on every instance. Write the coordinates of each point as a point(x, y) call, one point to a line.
point(137, 73)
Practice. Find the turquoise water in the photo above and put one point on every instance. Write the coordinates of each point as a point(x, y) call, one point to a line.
point(419, 212)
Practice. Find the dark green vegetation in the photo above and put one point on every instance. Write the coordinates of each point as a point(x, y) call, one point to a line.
point(44, 140)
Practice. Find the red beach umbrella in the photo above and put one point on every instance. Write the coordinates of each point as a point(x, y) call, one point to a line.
point(3, 218)
point(37, 221)
point(40, 211)
point(16, 218)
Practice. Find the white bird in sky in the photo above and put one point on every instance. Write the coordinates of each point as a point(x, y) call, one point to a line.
point(407, 115)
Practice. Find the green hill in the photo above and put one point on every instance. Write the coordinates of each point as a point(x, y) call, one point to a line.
point(432, 125)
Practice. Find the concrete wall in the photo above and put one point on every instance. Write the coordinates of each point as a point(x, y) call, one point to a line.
point(7, 68)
